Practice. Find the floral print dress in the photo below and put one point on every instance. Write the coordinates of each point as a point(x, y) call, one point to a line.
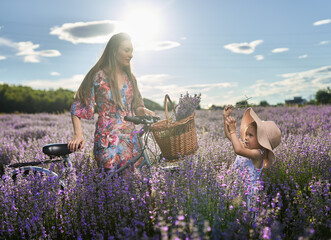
point(115, 140)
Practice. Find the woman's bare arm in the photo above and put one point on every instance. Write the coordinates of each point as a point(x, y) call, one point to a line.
point(78, 138)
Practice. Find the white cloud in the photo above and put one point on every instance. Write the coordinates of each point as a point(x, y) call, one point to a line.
point(156, 86)
point(7, 43)
point(303, 56)
point(153, 79)
point(259, 57)
point(100, 32)
point(323, 42)
point(86, 32)
point(279, 50)
point(28, 50)
point(67, 83)
point(209, 86)
point(155, 46)
point(322, 22)
point(55, 74)
point(31, 59)
point(294, 84)
point(2, 57)
point(243, 48)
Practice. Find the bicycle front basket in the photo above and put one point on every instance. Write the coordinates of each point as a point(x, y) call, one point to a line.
point(175, 139)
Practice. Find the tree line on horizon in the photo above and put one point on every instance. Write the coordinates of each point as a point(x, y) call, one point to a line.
point(322, 96)
point(23, 99)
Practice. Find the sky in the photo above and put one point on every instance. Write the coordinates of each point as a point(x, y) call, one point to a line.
point(227, 50)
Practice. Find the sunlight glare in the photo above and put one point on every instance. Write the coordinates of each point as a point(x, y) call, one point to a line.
point(142, 24)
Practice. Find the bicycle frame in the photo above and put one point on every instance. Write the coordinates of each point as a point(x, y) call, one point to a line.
point(62, 151)
point(142, 138)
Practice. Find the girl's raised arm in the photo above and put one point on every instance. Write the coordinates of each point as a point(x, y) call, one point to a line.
point(226, 113)
point(237, 145)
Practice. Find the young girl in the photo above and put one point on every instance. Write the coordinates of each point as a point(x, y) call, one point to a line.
point(255, 151)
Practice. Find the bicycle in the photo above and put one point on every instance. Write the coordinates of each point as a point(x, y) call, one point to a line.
point(61, 152)
point(144, 135)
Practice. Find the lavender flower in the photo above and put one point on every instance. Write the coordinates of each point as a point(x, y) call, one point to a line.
point(187, 105)
point(192, 203)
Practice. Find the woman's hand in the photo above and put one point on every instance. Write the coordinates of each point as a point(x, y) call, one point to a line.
point(142, 111)
point(77, 142)
point(149, 112)
point(231, 124)
point(78, 138)
point(227, 111)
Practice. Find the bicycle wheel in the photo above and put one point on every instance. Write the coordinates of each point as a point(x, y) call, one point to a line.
point(36, 173)
point(152, 150)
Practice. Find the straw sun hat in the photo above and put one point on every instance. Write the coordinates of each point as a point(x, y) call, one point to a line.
point(268, 134)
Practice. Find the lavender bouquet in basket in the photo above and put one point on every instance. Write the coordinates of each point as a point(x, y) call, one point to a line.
point(187, 105)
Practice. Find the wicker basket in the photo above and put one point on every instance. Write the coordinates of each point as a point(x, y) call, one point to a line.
point(175, 139)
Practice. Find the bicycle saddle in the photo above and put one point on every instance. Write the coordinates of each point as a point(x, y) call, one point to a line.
point(56, 149)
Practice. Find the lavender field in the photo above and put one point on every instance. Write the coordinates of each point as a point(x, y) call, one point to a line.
point(204, 200)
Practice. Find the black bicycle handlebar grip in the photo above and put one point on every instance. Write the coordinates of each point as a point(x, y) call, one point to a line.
point(156, 118)
point(142, 119)
point(135, 120)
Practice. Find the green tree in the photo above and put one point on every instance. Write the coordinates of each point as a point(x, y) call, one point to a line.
point(323, 96)
point(264, 103)
point(152, 105)
point(243, 103)
point(25, 99)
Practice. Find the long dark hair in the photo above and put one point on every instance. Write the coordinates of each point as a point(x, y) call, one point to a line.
point(107, 63)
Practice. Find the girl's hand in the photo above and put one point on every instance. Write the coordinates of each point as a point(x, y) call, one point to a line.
point(227, 111)
point(231, 123)
point(74, 143)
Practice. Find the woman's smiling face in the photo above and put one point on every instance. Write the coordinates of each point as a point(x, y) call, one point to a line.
point(124, 54)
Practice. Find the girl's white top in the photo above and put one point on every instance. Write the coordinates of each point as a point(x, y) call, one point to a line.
point(253, 174)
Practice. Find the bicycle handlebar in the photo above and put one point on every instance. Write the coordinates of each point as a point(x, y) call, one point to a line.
point(142, 119)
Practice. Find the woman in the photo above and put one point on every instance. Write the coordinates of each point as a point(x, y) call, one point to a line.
point(113, 88)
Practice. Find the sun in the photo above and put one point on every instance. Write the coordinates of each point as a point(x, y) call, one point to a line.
point(143, 24)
